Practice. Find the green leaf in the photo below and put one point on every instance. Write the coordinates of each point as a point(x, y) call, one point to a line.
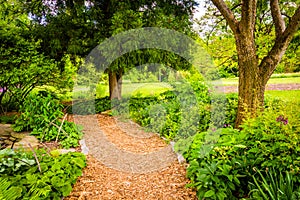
point(209, 193)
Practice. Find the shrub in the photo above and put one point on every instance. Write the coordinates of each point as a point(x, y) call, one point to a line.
point(224, 170)
point(43, 116)
point(90, 107)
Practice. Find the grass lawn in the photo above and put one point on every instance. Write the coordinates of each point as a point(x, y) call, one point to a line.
point(148, 89)
point(145, 89)
point(290, 95)
point(140, 89)
point(275, 79)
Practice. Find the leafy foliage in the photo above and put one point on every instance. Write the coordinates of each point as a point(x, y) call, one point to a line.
point(55, 180)
point(273, 184)
point(225, 170)
point(42, 115)
point(90, 107)
point(8, 192)
point(182, 111)
point(7, 119)
point(12, 161)
point(23, 66)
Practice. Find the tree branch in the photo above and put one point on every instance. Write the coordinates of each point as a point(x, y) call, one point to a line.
point(212, 30)
point(227, 13)
point(277, 17)
point(249, 15)
point(60, 127)
point(35, 156)
point(268, 64)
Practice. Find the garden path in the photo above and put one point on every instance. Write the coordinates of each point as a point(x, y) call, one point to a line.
point(124, 162)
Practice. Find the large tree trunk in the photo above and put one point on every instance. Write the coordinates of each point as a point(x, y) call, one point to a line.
point(251, 88)
point(115, 84)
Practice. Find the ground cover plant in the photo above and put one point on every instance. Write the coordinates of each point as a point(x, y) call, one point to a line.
point(38, 175)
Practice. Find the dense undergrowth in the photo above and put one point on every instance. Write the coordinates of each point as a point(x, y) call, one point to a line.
point(45, 175)
point(43, 116)
point(40, 174)
point(240, 163)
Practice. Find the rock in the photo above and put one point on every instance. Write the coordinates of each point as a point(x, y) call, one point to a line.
point(24, 143)
point(4, 133)
point(5, 130)
point(5, 126)
point(18, 135)
point(64, 151)
point(84, 148)
point(8, 142)
point(180, 158)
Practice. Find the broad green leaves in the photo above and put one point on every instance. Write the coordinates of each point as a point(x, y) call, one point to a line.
point(269, 141)
point(43, 116)
point(55, 180)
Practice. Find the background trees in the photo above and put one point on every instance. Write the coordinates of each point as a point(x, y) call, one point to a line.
point(23, 67)
point(75, 27)
point(61, 32)
point(218, 37)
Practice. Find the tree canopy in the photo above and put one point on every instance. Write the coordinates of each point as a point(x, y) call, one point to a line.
point(75, 28)
point(23, 67)
point(220, 40)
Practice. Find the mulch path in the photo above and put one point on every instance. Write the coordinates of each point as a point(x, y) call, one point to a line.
point(100, 180)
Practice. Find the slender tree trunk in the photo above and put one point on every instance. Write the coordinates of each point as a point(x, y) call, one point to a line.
point(115, 85)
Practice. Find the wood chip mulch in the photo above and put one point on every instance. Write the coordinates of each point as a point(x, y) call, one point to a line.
point(101, 182)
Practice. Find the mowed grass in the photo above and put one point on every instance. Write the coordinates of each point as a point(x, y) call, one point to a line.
point(145, 89)
point(289, 95)
point(275, 79)
point(138, 89)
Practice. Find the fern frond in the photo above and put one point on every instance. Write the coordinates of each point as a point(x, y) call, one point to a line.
point(7, 191)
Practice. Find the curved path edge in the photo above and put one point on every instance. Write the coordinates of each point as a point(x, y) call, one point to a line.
point(111, 156)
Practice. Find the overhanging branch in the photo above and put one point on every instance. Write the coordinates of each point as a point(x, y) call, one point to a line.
point(227, 13)
point(249, 14)
point(269, 63)
point(277, 17)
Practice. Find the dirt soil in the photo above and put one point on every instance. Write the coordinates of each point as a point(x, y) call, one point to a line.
point(100, 181)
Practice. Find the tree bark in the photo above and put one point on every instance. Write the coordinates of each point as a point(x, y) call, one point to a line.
point(251, 88)
point(115, 84)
